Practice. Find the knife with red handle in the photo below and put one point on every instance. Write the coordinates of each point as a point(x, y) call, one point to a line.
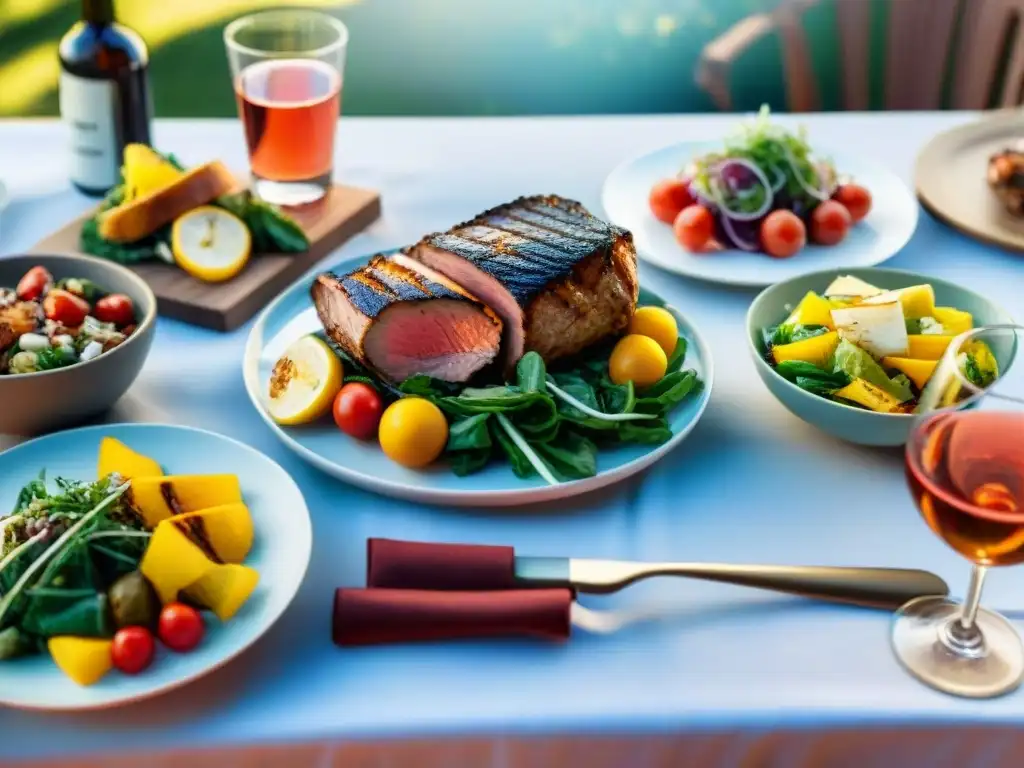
point(427, 566)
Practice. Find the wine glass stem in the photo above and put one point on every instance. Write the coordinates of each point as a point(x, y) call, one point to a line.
point(961, 635)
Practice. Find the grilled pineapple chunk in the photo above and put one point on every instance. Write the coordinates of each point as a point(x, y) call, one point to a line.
point(877, 399)
point(815, 350)
point(918, 371)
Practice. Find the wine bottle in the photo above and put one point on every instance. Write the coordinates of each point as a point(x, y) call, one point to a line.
point(104, 95)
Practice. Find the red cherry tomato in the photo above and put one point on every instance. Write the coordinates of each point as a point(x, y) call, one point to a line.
point(65, 308)
point(180, 627)
point(132, 650)
point(668, 197)
point(783, 233)
point(34, 284)
point(115, 308)
point(855, 198)
point(357, 410)
point(830, 222)
point(694, 227)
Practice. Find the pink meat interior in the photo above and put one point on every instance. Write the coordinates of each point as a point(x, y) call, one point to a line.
point(483, 286)
point(444, 338)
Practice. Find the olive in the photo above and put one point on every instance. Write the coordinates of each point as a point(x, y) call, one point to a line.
point(134, 602)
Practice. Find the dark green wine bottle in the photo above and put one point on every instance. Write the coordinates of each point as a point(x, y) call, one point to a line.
point(104, 95)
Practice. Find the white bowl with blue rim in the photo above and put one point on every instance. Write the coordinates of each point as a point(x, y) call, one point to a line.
point(281, 551)
point(292, 315)
point(878, 237)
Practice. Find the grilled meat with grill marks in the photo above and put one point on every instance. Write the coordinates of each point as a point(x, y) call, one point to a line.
point(1006, 178)
point(400, 318)
point(560, 278)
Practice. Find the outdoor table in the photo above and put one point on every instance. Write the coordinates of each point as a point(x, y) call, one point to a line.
point(730, 677)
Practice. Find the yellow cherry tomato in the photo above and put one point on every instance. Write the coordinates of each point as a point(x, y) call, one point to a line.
point(413, 432)
point(658, 324)
point(638, 359)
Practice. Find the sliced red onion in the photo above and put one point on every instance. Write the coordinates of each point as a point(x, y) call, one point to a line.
point(720, 200)
point(780, 178)
point(738, 241)
point(817, 194)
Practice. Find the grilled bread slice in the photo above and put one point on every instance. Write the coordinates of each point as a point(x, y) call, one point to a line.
point(146, 214)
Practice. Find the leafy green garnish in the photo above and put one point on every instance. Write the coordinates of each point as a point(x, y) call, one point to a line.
point(788, 333)
point(812, 378)
point(272, 231)
point(61, 551)
point(859, 364)
point(785, 158)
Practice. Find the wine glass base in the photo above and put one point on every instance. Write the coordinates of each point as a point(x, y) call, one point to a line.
point(994, 669)
point(291, 193)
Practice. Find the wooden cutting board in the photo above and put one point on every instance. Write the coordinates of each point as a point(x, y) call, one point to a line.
point(343, 213)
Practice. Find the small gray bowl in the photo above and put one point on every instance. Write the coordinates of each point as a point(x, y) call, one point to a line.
point(34, 403)
point(847, 422)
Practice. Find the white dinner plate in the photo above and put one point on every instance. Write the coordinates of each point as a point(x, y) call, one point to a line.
point(292, 315)
point(885, 230)
point(280, 553)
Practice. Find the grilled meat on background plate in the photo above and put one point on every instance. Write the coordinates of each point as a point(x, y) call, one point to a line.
point(560, 278)
point(1006, 178)
point(400, 318)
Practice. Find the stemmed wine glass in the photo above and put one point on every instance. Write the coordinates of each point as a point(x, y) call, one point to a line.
point(965, 468)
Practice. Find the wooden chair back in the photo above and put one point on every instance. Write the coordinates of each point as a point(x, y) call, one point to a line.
point(984, 38)
point(990, 61)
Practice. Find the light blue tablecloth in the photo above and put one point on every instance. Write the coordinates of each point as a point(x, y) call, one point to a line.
point(752, 483)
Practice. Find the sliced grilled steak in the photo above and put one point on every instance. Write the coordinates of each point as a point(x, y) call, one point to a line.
point(400, 318)
point(560, 278)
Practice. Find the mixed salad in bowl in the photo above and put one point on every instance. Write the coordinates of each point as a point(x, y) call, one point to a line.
point(47, 324)
point(871, 348)
point(765, 190)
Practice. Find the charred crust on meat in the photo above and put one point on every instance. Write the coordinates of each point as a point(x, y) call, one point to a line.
point(1006, 178)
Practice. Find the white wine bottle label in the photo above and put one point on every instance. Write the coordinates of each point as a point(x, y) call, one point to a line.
point(89, 109)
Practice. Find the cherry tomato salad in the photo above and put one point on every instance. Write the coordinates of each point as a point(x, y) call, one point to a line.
point(47, 324)
point(764, 192)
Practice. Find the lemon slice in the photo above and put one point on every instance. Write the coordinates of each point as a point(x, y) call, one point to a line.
point(304, 382)
point(211, 244)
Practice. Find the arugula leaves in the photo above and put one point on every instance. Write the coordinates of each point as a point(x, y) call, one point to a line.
point(61, 551)
point(494, 423)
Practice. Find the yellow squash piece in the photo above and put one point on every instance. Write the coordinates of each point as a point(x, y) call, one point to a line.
point(224, 589)
point(146, 171)
point(190, 493)
point(815, 350)
point(115, 456)
point(954, 321)
point(173, 562)
point(226, 529)
point(84, 659)
point(870, 396)
point(812, 310)
point(918, 371)
point(927, 346)
point(916, 300)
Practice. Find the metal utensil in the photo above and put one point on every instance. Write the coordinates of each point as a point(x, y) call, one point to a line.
point(869, 587)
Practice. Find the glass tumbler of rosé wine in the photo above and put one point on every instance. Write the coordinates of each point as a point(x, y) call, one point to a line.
point(965, 468)
point(288, 67)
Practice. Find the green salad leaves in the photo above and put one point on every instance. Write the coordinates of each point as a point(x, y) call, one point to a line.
point(548, 422)
point(59, 551)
